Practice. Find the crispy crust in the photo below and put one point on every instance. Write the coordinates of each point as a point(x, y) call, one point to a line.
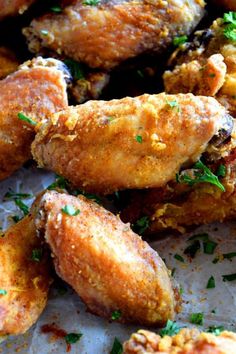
point(108, 265)
point(13, 7)
point(8, 62)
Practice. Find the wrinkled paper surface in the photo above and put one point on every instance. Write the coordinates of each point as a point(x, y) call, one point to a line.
point(67, 311)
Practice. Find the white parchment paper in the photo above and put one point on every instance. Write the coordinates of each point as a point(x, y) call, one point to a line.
point(218, 305)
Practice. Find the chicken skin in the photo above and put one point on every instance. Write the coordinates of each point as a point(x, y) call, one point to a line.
point(13, 7)
point(108, 33)
point(37, 89)
point(24, 279)
point(187, 341)
point(207, 66)
point(178, 206)
point(136, 142)
point(8, 62)
point(110, 267)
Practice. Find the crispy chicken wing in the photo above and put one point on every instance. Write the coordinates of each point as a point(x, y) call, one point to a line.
point(104, 35)
point(207, 66)
point(24, 282)
point(8, 62)
point(187, 341)
point(13, 7)
point(109, 266)
point(129, 143)
point(37, 89)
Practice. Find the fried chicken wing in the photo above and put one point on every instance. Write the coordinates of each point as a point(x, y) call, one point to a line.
point(129, 143)
point(109, 266)
point(207, 66)
point(104, 35)
point(24, 282)
point(13, 7)
point(8, 62)
point(187, 341)
point(37, 89)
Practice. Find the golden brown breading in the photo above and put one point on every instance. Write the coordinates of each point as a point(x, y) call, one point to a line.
point(129, 143)
point(13, 7)
point(26, 281)
point(109, 266)
point(207, 66)
point(187, 341)
point(104, 35)
point(37, 89)
point(178, 206)
point(8, 62)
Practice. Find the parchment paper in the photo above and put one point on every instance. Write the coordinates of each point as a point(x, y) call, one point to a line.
point(67, 311)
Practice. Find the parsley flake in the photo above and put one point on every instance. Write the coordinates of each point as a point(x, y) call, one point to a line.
point(75, 68)
point(229, 277)
point(23, 117)
point(91, 2)
point(179, 258)
point(117, 347)
point(216, 330)
point(177, 41)
point(221, 171)
point(16, 218)
point(172, 104)
point(44, 32)
point(116, 315)
point(170, 329)
point(37, 254)
point(142, 225)
point(12, 195)
point(3, 292)
point(201, 174)
point(211, 283)
point(72, 338)
point(23, 207)
point(229, 255)
point(192, 249)
point(209, 246)
point(56, 9)
point(139, 139)
point(197, 318)
point(230, 25)
point(70, 210)
point(60, 183)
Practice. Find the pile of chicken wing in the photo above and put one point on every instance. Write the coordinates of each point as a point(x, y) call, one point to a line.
point(171, 150)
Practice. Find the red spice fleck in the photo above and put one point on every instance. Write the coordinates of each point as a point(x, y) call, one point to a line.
point(57, 332)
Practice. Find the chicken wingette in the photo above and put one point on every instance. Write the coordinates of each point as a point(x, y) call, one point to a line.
point(136, 142)
point(24, 277)
point(104, 34)
point(35, 90)
point(187, 341)
point(109, 266)
point(13, 7)
point(183, 203)
point(207, 66)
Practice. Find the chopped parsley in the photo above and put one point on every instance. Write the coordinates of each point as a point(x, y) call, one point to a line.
point(70, 210)
point(211, 283)
point(209, 246)
point(117, 347)
point(229, 277)
point(3, 292)
point(140, 74)
point(203, 236)
point(16, 218)
point(75, 68)
point(192, 249)
point(72, 338)
point(229, 255)
point(230, 25)
point(197, 318)
point(44, 32)
point(212, 75)
point(12, 195)
point(57, 9)
point(170, 329)
point(116, 315)
point(216, 330)
point(177, 41)
point(139, 139)
point(142, 225)
point(201, 174)
point(179, 258)
point(37, 254)
point(23, 117)
point(60, 183)
point(91, 2)
point(172, 104)
point(221, 171)
point(23, 207)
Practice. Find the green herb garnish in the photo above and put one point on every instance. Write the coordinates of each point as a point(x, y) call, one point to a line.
point(230, 25)
point(16, 218)
point(172, 104)
point(221, 171)
point(44, 32)
point(177, 41)
point(170, 329)
point(139, 139)
point(116, 315)
point(91, 2)
point(37, 254)
point(192, 249)
point(72, 338)
point(3, 292)
point(12, 195)
point(179, 258)
point(229, 255)
point(203, 236)
point(23, 207)
point(142, 225)
point(60, 183)
point(201, 174)
point(75, 68)
point(209, 246)
point(229, 277)
point(56, 9)
point(215, 330)
point(70, 210)
point(23, 117)
point(211, 283)
point(197, 318)
point(117, 347)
